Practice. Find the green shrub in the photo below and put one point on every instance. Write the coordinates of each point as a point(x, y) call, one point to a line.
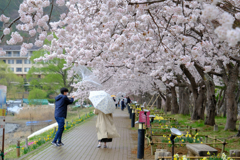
point(51, 100)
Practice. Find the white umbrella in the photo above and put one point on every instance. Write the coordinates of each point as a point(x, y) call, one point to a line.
point(102, 101)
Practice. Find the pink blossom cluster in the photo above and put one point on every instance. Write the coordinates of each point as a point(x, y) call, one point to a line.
point(4, 19)
point(15, 38)
point(2, 52)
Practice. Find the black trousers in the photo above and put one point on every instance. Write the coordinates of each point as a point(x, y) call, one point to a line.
point(105, 140)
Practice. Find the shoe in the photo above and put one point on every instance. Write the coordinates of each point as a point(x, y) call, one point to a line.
point(105, 146)
point(99, 146)
point(60, 144)
point(55, 144)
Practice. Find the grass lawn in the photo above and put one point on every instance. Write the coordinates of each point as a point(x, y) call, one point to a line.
point(233, 142)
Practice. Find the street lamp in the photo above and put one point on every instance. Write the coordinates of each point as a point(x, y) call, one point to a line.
point(141, 132)
point(174, 132)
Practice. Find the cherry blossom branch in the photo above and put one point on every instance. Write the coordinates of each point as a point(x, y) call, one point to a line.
point(237, 59)
point(130, 3)
point(50, 12)
point(9, 26)
point(198, 66)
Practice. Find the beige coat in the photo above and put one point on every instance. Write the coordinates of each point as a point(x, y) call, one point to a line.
point(105, 126)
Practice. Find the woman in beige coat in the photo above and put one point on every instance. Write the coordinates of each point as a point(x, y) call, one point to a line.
point(106, 130)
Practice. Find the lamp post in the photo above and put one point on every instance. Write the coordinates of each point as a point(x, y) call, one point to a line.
point(174, 132)
point(141, 132)
point(133, 118)
point(152, 118)
point(130, 112)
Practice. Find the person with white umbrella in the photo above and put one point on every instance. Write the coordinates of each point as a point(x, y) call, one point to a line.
point(105, 106)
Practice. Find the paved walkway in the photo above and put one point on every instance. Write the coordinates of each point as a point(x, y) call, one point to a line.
point(81, 143)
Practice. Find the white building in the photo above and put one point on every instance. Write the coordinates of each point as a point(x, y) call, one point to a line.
point(20, 65)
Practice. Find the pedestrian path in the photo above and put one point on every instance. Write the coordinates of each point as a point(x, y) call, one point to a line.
point(81, 143)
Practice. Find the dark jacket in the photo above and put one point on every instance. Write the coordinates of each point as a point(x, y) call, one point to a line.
point(128, 100)
point(61, 103)
point(123, 104)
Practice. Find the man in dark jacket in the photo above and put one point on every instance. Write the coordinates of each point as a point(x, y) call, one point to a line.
point(61, 102)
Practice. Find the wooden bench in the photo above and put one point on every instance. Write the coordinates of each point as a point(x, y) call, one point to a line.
point(201, 149)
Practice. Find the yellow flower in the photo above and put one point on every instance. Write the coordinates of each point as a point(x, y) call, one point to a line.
point(190, 135)
point(182, 140)
point(201, 142)
point(208, 153)
point(169, 142)
point(22, 148)
point(204, 158)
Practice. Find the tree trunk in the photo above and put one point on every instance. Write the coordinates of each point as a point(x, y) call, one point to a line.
point(198, 95)
point(211, 101)
point(159, 103)
point(184, 101)
point(231, 105)
point(174, 107)
point(210, 91)
point(199, 107)
point(168, 102)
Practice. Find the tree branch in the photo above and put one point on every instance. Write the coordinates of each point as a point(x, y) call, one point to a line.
point(9, 26)
point(130, 3)
point(50, 12)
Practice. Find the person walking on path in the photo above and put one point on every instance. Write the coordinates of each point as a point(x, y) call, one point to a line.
point(106, 130)
point(61, 103)
point(122, 105)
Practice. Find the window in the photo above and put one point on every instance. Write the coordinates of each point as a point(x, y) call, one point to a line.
point(9, 54)
point(16, 54)
point(30, 53)
point(39, 76)
point(11, 69)
point(27, 61)
point(18, 69)
point(19, 61)
point(26, 69)
point(11, 61)
point(4, 61)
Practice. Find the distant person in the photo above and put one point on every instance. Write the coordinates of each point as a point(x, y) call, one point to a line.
point(106, 130)
point(122, 105)
point(128, 100)
point(61, 103)
point(115, 101)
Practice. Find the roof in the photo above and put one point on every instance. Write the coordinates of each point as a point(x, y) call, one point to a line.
point(17, 48)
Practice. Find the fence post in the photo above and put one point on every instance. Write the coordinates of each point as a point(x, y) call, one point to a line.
point(78, 116)
point(206, 139)
point(26, 143)
point(190, 130)
point(18, 148)
point(72, 120)
point(66, 123)
point(223, 147)
point(215, 141)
